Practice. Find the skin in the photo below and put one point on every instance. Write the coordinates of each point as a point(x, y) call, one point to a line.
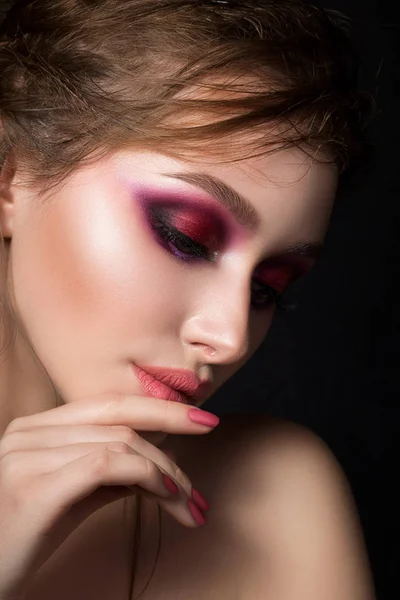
point(92, 290)
point(75, 263)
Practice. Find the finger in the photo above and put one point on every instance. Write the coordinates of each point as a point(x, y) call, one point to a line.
point(80, 478)
point(141, 413)
point(71, 442)
point(63, 435)
point(25, 464)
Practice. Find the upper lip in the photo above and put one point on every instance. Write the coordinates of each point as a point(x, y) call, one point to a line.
point(182, 380)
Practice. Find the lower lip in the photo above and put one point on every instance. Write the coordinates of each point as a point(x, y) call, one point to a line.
point(157, 389)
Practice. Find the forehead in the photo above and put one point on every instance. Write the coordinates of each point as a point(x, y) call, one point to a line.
point(282, 169)
point(290, 190)
point(290, 175)
point(278, 168)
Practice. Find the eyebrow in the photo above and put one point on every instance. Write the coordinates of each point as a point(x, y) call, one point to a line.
point(306, 249)
point(240, 207)
point(226, 195)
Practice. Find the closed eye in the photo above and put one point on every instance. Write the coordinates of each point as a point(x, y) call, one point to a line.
point(263, 296)
point(181, 245)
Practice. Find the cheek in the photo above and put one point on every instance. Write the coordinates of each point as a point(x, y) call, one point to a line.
point(63, 269)
point(86, 276)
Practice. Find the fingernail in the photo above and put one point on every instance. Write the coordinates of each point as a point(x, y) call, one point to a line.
point(197, 415)
point(170, 485)
point(200, 500)
point(196, 513)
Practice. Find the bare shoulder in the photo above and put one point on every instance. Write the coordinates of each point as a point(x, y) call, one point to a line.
point(281, 485)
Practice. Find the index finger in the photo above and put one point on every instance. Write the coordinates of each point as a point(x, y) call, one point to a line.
point(142, 413)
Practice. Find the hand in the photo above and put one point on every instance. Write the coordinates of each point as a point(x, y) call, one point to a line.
point(59, 466)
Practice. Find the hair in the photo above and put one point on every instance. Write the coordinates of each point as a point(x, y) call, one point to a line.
point(81, 79)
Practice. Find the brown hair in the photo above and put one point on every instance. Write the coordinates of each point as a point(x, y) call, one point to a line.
point(83, 78)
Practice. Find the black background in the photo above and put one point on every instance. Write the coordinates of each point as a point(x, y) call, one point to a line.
point(333, 364)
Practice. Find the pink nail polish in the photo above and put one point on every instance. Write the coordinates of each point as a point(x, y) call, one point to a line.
point(203, 417)
point(170, 485)
point(200, 500)
point(196, 513)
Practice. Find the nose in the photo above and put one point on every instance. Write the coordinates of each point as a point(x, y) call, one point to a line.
point(218, 328)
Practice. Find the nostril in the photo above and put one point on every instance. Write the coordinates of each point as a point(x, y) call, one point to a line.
point(207, 349)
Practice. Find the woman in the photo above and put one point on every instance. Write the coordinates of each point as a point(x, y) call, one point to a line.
point(168, 169)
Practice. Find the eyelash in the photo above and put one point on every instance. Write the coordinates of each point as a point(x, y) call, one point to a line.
point(173, 237)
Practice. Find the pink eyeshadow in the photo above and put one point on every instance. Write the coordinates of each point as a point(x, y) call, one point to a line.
point(206, 212)
point(280, 272)
point(198, 225)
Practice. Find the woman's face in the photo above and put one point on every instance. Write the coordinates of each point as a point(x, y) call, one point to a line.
point(100, 279)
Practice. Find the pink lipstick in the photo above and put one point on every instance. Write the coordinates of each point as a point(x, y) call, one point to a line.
point(172, 384)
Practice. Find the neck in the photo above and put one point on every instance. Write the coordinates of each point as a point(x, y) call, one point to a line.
point(25, 388)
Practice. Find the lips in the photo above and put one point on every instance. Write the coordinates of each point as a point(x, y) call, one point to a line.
point(172, 384)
